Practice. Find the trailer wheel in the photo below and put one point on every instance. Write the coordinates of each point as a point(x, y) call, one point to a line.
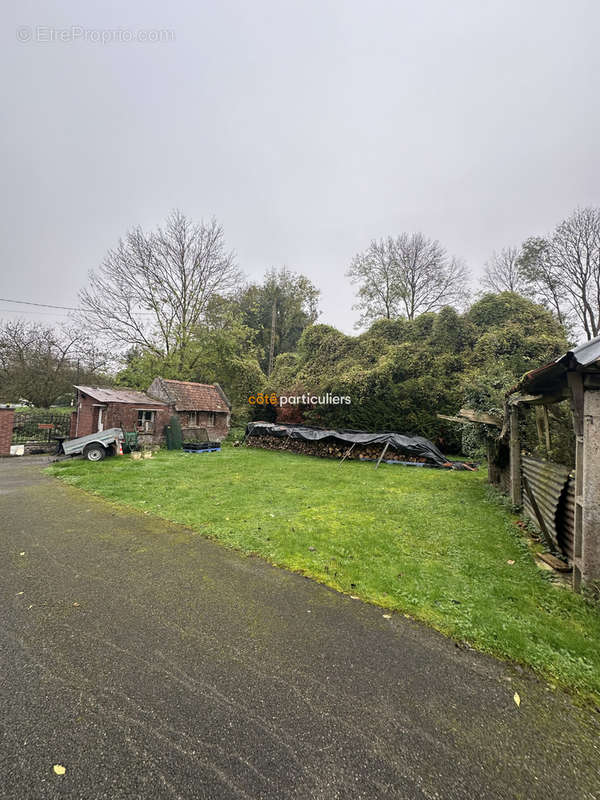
point(94, 452)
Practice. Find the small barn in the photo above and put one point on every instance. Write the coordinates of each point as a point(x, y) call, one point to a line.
point(198, 406)
point(99, 408)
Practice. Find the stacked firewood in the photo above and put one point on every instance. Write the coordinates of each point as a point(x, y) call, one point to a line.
point(325, 449)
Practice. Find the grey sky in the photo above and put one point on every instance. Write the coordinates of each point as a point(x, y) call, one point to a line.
point(306, 128)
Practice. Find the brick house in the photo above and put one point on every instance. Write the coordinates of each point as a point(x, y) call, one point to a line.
point(99, 409)
point(198, 405)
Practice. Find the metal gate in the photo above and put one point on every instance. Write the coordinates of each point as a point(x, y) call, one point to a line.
point(41, 427)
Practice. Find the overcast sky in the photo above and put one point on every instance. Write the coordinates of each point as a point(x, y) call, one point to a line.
point(307, 128)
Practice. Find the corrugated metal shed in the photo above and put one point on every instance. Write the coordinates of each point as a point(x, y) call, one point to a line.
point(547, 482)
point(550, 376)
point(566, 520)
point(586, 353)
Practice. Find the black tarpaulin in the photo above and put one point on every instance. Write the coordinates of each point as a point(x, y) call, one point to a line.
point(409, 445)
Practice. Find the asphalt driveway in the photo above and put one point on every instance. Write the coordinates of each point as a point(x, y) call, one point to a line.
point(151, 663)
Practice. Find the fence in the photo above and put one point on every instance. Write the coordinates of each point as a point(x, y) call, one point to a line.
point(41, 427)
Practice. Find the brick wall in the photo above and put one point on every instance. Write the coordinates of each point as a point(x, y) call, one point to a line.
point(125, 415)
point(119, 415)
point(216, 431)
point(84, 423)
point(7, 416)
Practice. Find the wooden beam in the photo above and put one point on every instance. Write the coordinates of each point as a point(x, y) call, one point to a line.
point(347, 453)
point(468, 415)
point(538, 513)
point(383, 452)
point(575, 380)
point(546, 426)
point(515, 458)
point(538, 399)
point(479, 416)
point(539, 424)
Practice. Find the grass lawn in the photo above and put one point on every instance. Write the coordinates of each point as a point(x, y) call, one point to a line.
point(425, 542)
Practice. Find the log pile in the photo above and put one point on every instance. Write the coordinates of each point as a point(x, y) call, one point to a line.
point(330, 449)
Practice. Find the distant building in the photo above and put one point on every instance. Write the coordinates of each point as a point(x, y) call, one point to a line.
point(198, 406)
point(98, 409)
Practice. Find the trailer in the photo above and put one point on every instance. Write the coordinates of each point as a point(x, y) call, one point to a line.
point(96, 446)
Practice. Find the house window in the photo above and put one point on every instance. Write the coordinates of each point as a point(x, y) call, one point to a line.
point(210, 421)
point(145, 420)
point(193, 419)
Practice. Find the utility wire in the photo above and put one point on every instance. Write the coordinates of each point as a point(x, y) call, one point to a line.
point(48, 305)
point(41, 305)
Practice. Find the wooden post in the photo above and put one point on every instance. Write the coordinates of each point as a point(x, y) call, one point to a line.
point(346, 454)
point(515, 457)
point(547, 427)
point(383, 452)
point(539, 424)
point(590, 490)
point(575, 380)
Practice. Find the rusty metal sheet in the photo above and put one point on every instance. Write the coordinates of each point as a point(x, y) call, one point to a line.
point(547, 482)
point(566, 520)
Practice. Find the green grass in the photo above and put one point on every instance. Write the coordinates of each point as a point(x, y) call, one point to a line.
point(429, 543)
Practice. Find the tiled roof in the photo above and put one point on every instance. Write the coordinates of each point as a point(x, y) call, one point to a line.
point(103, 395)
point(189, 396)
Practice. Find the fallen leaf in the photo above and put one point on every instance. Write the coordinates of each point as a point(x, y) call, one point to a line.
point(517, 699)
point(18, 593)
point(22, 554)
point(75, 604)
point(387, 616)
point(59, 769)
point(510, 561)
point(353, 597)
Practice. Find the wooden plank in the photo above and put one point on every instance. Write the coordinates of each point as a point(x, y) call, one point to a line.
point(546, 427)
point(479, 416)
point(539, 424)
point(538, 399)
point(467, 415)
point(556, 563)
point(347, 453)
point(537, 512)
point(576, 386)
point(383, 452)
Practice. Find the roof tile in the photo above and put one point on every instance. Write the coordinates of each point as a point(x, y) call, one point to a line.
point(189, 396)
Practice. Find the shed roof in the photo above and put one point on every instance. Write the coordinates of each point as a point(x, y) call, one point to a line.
point(550, 377)
point(190, 396)
point(103, 395)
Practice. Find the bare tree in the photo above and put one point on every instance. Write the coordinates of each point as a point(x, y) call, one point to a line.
point(406, 276)
point(502, 272)
point(563, 270)
point(153, 289)
point(39, 363)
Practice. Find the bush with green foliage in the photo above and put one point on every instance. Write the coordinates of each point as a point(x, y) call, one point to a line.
point(401, 374)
